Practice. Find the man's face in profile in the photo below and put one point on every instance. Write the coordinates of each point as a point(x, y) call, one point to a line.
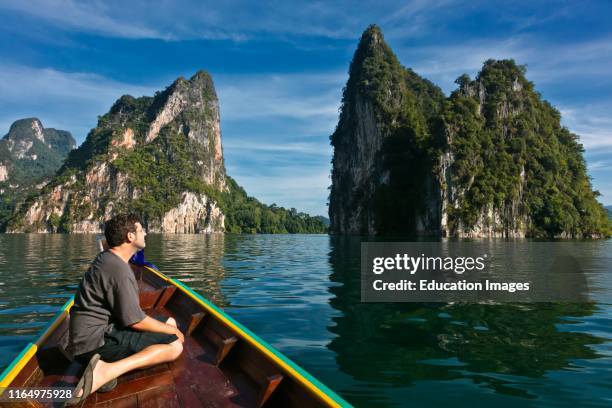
point(139, 237)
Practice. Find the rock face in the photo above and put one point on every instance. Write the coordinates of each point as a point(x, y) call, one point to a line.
point(28, 145)
point(491, 160)
point(378, 144)
point(192, 108)
point(29, 155)
point(196, 214)
point(160, 157)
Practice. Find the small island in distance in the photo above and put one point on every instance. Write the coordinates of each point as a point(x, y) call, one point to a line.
point(30, 154)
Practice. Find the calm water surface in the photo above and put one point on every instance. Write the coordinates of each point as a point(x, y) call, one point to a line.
point(301, 293)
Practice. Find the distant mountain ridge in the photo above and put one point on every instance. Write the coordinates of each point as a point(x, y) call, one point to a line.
point(29, 155)
point(28, 142)
point(491, 160)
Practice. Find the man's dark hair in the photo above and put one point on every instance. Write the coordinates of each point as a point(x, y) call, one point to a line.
point(117, 228)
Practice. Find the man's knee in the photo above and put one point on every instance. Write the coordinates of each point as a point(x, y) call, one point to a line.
point(177, 348)
point(171, 321)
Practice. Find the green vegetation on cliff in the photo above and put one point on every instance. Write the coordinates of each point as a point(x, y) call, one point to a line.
point(126, 112)
point(163, 169)
point(511, 154)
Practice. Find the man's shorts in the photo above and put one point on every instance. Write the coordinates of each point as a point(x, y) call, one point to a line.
point(122, 343)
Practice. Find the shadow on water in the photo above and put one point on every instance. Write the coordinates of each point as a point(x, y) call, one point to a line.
point(498, 347)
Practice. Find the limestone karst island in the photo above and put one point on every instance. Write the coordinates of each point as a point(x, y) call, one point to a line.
point(490, 160)
point(160, 157)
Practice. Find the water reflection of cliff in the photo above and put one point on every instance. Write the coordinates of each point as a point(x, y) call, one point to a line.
point(195, 260)
point(398, 344)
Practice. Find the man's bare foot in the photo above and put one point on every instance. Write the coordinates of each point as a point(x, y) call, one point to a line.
point(100, 377)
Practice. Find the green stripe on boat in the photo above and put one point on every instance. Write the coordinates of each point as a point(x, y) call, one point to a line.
point(322, 387)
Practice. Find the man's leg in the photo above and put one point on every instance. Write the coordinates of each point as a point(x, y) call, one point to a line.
point(152, 355)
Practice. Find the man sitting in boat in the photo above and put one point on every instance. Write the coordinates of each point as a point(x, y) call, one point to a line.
point(109, 332)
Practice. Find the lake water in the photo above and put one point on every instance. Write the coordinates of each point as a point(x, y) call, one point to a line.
point(301, 293)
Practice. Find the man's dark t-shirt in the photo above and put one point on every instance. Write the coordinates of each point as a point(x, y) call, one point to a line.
point(107, 296)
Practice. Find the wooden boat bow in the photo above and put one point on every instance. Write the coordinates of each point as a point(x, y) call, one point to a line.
point(223, 363)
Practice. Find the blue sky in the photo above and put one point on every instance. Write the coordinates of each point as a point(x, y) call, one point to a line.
point(279, 68)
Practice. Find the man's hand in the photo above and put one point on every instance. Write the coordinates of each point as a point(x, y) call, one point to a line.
point(178, 333)
point(153, 325)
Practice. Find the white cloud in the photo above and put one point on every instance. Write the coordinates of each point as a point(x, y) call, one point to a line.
point(23, 83)
point(592, 123)
point(444, 63)
point(88, 17)
point(547, 63)
point(234, 20)
point(68, 101)
point(311, 148)
point(601, 165)
point(410, 10)
point(416, 18)
point(298, 96)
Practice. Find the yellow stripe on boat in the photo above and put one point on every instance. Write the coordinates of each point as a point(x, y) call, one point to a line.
point(30, 350)
point(11, 372)
point(58, 320)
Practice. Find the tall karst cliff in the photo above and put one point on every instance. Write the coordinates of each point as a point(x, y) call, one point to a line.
point(382, 179)
point(490, 160)
point(159, 156)
point(30, 154)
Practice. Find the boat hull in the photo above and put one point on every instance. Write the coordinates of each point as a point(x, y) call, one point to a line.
point(223, 363)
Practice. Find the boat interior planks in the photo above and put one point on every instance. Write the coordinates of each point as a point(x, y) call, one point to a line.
point(221, 366)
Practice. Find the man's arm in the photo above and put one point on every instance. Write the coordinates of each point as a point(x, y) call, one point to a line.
point(123, 299)
point(153, 325)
